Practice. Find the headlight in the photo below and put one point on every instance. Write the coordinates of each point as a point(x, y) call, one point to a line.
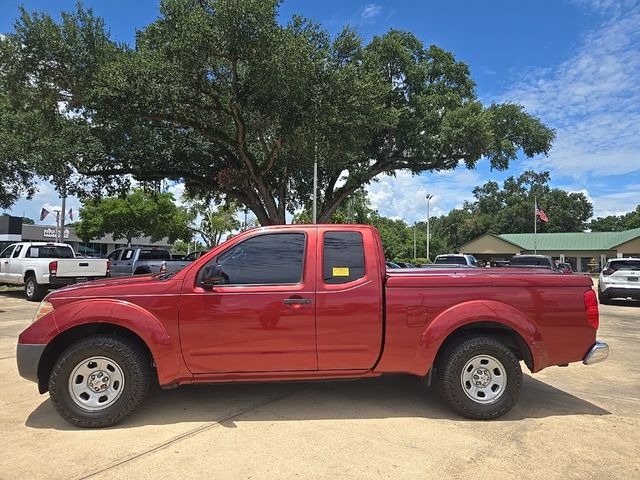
point(43, 309)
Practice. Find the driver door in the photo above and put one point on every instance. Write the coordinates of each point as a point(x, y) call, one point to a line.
point(262, 319)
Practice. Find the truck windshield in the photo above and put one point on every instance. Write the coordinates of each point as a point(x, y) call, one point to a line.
point(50, 251)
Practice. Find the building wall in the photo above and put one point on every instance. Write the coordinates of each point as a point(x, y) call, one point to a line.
point(631, 248)
point(488, 245)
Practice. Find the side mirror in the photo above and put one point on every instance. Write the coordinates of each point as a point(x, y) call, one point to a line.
point(212, 275)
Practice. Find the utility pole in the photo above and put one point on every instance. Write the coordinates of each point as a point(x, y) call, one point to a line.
point(62, 216)
point(315, 183)
point(429, 197)
point(414, 241)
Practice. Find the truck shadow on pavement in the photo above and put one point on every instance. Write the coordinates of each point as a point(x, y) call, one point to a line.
point(387, 397)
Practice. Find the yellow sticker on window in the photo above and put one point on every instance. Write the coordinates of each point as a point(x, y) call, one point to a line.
point(340, 271)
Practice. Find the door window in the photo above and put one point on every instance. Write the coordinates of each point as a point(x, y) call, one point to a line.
point(128, 253)
point(113, 256)
point(275, 258)
point(17, 251)
point(343, 257)
point(6, 253)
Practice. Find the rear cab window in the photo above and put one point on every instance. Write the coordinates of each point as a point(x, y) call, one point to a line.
point(50, 251)
point(342, 257)
point(153, 254)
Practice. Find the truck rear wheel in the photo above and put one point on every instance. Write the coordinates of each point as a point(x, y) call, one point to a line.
point(479, 377)
point(99, 381)
point(34, 291)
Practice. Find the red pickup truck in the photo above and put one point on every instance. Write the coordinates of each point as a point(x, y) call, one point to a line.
point(304, 302)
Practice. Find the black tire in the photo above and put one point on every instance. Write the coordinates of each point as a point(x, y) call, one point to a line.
point(134, 368)
point(449, 377)
point(33, 290)
point(603, 298)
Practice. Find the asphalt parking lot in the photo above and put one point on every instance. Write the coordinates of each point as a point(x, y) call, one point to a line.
point(575, 422)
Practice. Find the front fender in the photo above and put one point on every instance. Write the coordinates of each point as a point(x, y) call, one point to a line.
point(474, 311)
point(163, 345)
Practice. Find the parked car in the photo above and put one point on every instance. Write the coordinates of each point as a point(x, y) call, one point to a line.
point(143, 261)
point(620, 278)
point(456, 259)
point(392, 264)
point(405, 265)
point(499, 262)
point(533, 261)
point(565, 268)
point(40, 266)
point(190, 257)
point(305, 302)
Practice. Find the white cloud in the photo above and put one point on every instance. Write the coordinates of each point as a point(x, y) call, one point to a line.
point(370, 12)
point(404, 196)
point(592, 100)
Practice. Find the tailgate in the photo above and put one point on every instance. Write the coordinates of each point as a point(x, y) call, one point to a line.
point(82, 267)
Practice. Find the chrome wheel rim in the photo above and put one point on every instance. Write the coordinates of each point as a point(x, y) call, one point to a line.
point(31, 288)
point(484, 379)
point(96, 383)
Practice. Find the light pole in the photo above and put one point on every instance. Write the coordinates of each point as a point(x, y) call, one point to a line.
point(414, 241)
point(429, 197)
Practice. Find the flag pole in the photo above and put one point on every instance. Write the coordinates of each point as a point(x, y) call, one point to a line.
point(535, 225)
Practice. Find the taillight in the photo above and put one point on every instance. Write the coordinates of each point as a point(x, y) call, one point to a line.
point(163, 267)
point(591, 307)
point(53, 267)
point(108, 267)
point(607, 271)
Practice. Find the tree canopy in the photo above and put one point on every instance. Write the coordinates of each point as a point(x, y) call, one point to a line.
point(616, 223)
point(140, 213)
point(510, 209)
point(220, 95)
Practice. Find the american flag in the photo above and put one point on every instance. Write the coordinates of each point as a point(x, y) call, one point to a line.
point(540, 214)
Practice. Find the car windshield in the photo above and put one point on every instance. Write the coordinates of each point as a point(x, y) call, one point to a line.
point(450, 260)
point(625, 265)
point(50, 251)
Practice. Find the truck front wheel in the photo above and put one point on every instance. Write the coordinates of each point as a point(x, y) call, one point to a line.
point(99, 381)
point(479, 377)
point(34, 291)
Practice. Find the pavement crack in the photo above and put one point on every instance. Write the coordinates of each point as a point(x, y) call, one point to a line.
point(192, 432)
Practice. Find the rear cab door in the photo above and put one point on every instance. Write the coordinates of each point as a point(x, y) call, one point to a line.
point(349, 314)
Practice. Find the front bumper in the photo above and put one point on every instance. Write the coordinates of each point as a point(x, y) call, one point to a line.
point(28, 358)
point(597, 353)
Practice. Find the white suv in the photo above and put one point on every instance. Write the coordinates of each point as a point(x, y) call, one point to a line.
point(620, 279)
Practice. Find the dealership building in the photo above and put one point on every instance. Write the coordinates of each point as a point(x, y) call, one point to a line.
point(13, 230)
point(585, 251)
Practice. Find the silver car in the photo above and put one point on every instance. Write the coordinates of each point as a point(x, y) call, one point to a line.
point(620, 278)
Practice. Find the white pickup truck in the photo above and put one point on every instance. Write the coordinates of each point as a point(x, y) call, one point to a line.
point(40, 266)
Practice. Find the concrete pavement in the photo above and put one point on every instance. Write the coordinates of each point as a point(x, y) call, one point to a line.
point(575, 422)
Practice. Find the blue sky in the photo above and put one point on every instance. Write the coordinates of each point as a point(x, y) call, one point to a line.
point(573, 63)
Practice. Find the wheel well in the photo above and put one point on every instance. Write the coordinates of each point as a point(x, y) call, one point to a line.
point(29, 273)
point(507, 336)
point(68, 337)
point(142, 270)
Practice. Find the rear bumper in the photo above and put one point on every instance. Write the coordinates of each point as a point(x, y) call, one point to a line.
point(28, 358)
point(63, 281)
point(597, 353)
point(620, 292)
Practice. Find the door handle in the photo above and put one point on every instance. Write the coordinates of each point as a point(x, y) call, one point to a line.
point(294, 301)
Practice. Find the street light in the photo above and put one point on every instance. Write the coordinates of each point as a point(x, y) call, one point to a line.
point(429, 197)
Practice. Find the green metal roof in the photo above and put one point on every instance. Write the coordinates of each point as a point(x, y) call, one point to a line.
point(571, 241)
